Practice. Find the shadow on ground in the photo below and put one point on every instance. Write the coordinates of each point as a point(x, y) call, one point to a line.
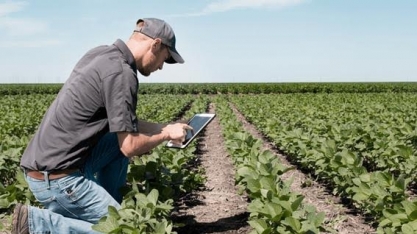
point(225, 225)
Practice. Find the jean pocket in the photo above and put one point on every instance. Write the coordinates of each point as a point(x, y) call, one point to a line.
point(44, 198)
point(37, 186)
point(86, 200)
point(73, 189)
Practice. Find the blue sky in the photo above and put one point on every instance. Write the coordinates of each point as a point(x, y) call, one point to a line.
point(221, 41)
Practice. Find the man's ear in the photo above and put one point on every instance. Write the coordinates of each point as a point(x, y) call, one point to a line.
point(156, 44)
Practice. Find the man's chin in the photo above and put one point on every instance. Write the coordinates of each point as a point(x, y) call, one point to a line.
point(144, 73)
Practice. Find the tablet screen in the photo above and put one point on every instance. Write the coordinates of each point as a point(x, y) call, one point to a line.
point(198, 122)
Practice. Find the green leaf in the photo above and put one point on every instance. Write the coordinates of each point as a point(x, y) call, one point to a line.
point(264, 157)
point(343, 171)
point(247, 172)
point(413, 224)
point(359, 196)
point(348, 156)
point(266, 193)
point(366, 189)
point(398, 218)
point(275, 211)
point(267, 183)
point(413, 215)
point(296, 203)
point(285, 204)
point(113, 212)
point(106, 225)
point(160, 228)
point(253, 185)
point(263, 169)
point(410, 208)
point(21, 178)
point(384, 179)
point(365, 177)
point(260, 226)
point(293, 223)
point(4, 203)
point(401, 183)
point(141, 200)
point(388, 212)
point(256, 206)
point(384, 222)
point(405, 151)
point(385, 231)
point(153, 196)
point(319, 219)
point(356, 181)
point(407, 229)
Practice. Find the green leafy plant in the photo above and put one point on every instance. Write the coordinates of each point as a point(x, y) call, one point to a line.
point(140, 213)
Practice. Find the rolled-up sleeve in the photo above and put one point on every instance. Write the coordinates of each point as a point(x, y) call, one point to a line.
point(120, 100)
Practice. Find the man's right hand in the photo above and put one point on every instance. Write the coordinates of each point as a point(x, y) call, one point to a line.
point(176, 132)
point(132, 144)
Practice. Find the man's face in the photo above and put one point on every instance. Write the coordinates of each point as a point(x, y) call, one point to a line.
point(154, 59)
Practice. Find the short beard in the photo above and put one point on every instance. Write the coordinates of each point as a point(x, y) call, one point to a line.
point(144, 73)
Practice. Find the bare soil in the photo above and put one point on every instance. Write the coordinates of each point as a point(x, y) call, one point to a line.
point(218, 208)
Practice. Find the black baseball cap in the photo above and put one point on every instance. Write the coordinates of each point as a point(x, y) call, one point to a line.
point(156, 28)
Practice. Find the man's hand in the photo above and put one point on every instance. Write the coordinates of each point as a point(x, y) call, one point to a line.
point(176, 132)
point(151, 135)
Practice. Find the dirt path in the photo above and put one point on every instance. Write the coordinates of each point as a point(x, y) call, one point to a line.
point(219, 208)
point(338, 216)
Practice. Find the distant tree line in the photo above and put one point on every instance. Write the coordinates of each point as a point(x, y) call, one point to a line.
point(230, 88)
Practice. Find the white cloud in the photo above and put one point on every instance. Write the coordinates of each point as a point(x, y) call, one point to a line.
point(30, 44)
point(15, 29)
point(221, 6)
point(22, 27)
point(13, 26)
point(10, 7)
point(228, 5)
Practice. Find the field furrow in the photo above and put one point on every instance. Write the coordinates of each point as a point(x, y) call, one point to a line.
point(217, 208)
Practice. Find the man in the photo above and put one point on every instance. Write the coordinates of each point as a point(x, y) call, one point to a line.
point(78, 158)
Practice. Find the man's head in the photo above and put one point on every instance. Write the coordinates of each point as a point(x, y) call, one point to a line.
point(156, 28)
point(153, 43)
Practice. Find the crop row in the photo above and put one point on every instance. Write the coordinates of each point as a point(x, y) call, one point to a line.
point(363, 146)
point(273, 208)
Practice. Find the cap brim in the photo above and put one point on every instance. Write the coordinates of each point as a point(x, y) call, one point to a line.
point(175, 56)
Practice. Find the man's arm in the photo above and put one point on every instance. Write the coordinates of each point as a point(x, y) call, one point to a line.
point(149, 136)
point(149, 128)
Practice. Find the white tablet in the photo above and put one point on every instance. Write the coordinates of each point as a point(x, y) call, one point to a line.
point(197, 122)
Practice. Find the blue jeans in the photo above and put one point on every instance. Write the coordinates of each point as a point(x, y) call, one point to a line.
point(75, 202)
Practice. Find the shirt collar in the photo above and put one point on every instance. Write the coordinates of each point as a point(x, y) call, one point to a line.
point(127, 54)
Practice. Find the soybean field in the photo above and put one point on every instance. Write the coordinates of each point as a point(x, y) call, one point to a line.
point(278, 158)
